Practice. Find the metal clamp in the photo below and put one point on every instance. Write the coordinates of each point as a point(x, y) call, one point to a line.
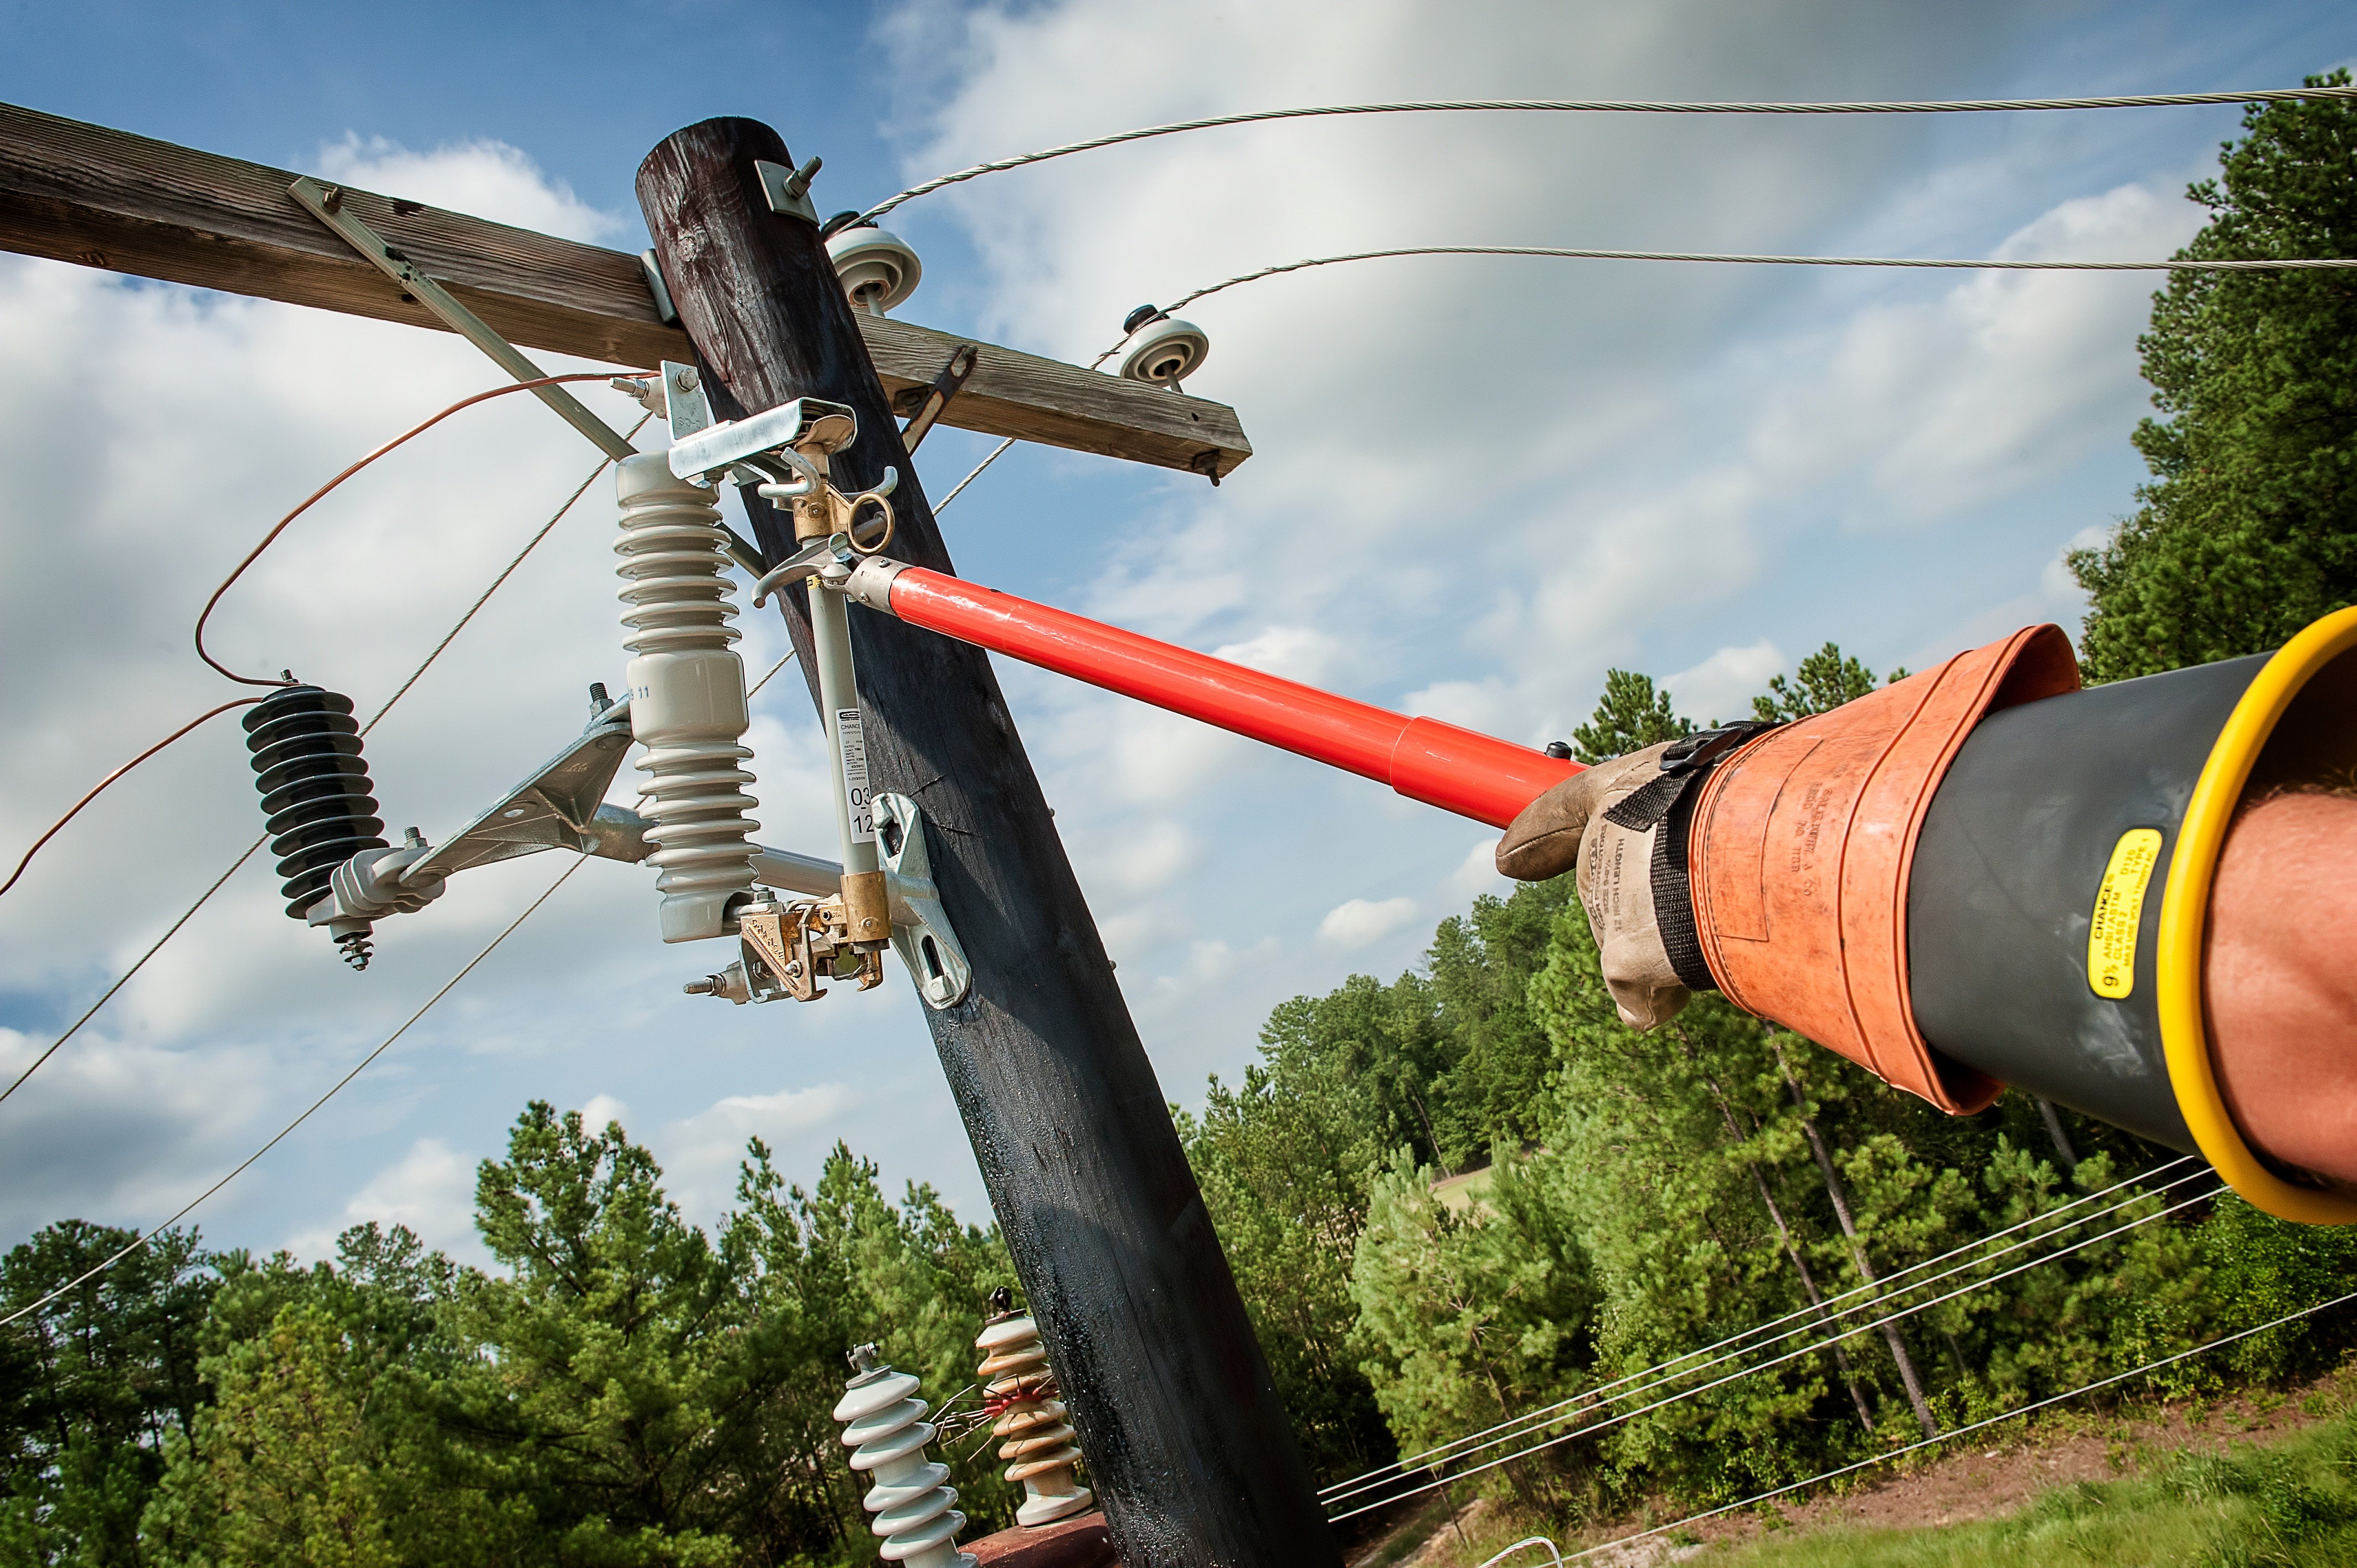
point(920, 927)
point(788, 948)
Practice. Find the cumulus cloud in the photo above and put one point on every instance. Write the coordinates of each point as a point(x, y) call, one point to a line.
point(701, 1153)
point(1722, 686)
point(1476, 874)
point(1359, 922)
point(481, 177)
point(431, 1190)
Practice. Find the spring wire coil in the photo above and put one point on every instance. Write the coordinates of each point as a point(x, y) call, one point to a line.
point(1032, 1421)
point(306, 750)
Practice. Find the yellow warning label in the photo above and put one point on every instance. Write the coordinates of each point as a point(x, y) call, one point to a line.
point(2119, 913)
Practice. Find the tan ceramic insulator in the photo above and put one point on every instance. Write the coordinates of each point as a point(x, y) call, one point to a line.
point(1035, 1437)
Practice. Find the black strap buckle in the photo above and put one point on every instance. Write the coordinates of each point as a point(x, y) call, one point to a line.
point(1659, 802)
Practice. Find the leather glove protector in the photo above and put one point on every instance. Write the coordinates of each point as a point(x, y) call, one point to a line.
point(1566, 827)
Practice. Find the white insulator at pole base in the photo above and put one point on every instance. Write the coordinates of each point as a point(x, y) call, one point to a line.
point(687, 696)
point(1036, 1436)
point(885, 1429)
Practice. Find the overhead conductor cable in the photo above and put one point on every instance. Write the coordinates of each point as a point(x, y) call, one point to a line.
point(1619, 106)
point(427, 663)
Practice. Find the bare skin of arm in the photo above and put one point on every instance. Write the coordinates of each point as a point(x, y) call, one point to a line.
point(2279, 972)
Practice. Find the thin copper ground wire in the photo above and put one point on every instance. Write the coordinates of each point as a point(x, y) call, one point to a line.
point(174, 930)
point(254, 554)
point(321, 493)
point(75, 810)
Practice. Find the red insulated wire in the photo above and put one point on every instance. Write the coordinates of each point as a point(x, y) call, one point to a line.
point(250, 556)
point(76, 809)
point(317, 495)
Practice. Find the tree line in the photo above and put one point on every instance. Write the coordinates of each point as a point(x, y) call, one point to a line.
point(626, 1388)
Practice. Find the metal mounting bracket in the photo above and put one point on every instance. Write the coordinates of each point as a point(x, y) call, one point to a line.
point(787, 189)
point(931, 403)
point(920, 927)
point(326, 204)
point(555, 807)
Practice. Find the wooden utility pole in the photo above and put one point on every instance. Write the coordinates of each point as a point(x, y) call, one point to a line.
point(1186, 1443)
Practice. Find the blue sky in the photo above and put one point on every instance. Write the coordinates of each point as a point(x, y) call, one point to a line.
point(1478, 484)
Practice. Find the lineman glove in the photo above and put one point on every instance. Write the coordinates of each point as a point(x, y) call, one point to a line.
point(1566, 826)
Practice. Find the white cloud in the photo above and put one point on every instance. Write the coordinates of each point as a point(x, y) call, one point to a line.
point(481, 177)
point(1722, 686)
point(431, 1190)
point(1359, 922)
point(599, 1110)
point(1477, 875)
point(700, 1154)
point(1148, 858)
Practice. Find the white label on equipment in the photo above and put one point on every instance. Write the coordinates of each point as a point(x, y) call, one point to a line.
point(853, 745)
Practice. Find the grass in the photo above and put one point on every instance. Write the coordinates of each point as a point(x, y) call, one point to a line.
point(2294, 1504)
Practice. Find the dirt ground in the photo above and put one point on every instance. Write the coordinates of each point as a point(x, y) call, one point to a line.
point(1990, 1477)
point(1999, 1473)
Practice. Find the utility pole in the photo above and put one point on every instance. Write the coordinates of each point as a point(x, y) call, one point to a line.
point(1186, 1443)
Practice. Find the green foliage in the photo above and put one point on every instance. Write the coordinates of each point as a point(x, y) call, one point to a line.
point(1464, 1320)
point(625, 1389)
point(92, 1385)
point(1630, 716)
point(2293, 1504)
point(1444, 1065)
point(1825, 680)
point(290, 1471)
point(2248, 529)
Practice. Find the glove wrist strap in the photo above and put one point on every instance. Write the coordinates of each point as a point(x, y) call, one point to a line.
point(1668, 802)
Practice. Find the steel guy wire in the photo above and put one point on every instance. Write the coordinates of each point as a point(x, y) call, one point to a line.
point(75, 810)
point(1615, 106)
point(1553, 1552)
point(755, 690)
point(1809, 1350)
point(321, 493)
point(2152, 1366)
point(1569, 252)
point(1888, 1288)
point(174, 929)
point(333, 1089)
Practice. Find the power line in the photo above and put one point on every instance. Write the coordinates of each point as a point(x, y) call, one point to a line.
point(1617, 106)
point(174, 929)
point(1565, 252)
point(1789, 1356)
point(75, 810)
point(332, 1090)
point(755, 690)
point(1888, 1288)
point(321, 493)
point(2152, 1366)
point(1583, 253)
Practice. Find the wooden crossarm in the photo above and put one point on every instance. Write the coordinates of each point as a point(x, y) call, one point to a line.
point(106, 199)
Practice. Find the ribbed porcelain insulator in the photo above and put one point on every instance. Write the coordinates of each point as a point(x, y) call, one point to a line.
point(916, 1511)
point(687, 696)
point(1035, 1438)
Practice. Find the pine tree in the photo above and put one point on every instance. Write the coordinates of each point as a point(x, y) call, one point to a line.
point(2248, 529)
point(1629, 716)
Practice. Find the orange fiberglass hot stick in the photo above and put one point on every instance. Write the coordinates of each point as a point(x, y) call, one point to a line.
point(1473, 774)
